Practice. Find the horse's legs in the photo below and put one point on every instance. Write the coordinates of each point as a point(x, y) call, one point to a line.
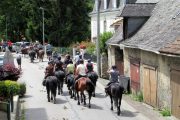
point(84, 98)
point(119, 105)
point(59, 88)
point(90, 94)
point(111, 102)
point(48, 92)
point(61, 85)
point(78, 97)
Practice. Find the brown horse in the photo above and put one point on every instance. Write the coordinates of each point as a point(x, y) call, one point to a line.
point(25, 51)
point(81, 85)
point(41, 55)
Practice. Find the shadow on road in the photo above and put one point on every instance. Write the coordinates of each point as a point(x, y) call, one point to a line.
point(60, 101)
point(126, 113)
point(36, 114)
point(94, 106)
point(100, 95)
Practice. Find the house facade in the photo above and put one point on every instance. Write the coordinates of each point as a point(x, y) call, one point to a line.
point(152, 57)
point(109, 9)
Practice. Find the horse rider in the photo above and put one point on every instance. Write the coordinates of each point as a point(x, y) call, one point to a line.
point(49, 71)
point(58, 64)
point(66, 60)
point(89, 66)
point(114, 76)
point(80, 70)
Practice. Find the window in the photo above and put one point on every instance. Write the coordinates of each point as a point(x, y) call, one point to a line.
point(105, 25)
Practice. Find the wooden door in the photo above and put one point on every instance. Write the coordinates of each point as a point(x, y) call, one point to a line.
point(150, 85)
point(135, 82)
point(175, 88)
point(119, 60)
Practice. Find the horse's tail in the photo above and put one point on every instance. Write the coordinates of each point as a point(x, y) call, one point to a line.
point(90, 85)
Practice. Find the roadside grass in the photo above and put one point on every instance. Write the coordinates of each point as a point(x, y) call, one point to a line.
point(137, 97)
point(165, 112)
point(23, 113)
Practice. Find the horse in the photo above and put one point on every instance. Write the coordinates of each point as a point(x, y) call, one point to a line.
point(82, 84)
point(41, 55)
point(115, 91)
point(51, 86)
point(25, 51)
point(60, 76)
point(70, 84)
point(32, 55)
point(93, 77)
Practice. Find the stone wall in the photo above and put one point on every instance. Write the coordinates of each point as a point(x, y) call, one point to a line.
point(104, 66)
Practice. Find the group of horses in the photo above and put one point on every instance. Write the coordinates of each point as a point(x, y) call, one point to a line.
point(78, 87)
point(33, 52)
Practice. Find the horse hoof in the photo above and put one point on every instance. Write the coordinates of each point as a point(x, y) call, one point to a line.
point(111, 108)
point(78, 103)
point(93, 95)
point(89, 106)
point(118, 113)
point(58, 93)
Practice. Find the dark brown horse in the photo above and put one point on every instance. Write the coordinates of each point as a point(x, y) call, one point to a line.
point(115, 91)
point(51, 86)
point(81, 85)
point(93, 77)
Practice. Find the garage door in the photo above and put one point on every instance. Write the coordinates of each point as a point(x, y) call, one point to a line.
point(150, 85)
point(175, 88)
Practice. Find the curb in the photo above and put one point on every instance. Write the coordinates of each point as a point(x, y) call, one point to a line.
point(15, 112)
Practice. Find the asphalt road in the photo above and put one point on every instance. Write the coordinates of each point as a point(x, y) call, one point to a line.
point(37, 108)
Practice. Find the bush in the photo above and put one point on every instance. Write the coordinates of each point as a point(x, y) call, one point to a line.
point(90, 47)
point(9, 88)
point(103, 38)
point(22, 89)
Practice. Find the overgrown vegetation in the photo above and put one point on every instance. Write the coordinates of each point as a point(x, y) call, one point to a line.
point(165, 112)
point(103, 38)
point(9, 88)
point(22, 90)
point(137, 97)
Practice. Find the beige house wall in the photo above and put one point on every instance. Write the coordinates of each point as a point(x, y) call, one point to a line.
point(111, 56)
point(161, 63)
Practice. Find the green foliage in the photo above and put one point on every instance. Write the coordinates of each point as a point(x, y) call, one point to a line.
point(8, 88)
point(22, 89)
point(165, 112)
point(91, 48)
point(103, 38)
point(138, 96)
point(65, 21)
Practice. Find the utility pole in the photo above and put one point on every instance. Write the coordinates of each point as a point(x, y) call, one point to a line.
point(43, 28)
point(98, 39)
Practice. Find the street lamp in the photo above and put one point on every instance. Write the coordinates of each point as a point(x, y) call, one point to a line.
point(43, 27)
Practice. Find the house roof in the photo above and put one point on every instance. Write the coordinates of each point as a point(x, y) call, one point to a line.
point(137, 10)
point(118, 21)
point(161, 29)
point(117, 37)
point(172, 48)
